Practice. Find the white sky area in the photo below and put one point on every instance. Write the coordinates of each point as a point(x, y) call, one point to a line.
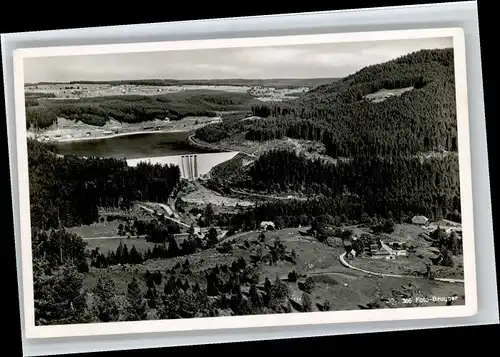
point(299, 61)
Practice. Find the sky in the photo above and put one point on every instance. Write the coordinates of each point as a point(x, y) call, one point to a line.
point(298, 61)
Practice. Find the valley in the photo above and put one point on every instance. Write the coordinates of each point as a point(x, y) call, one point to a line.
point(338, 194)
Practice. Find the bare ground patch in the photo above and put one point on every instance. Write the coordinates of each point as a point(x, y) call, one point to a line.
point(202, 196)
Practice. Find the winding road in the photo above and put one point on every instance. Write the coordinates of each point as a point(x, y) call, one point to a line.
point(344, 262)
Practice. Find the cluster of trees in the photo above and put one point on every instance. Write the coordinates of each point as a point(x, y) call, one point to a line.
point(448, 245)
point(401, 185)
point(134, 108)
point(155, 231)
point(67, 190)
point(228, 289)
point(59, 262)
point(273, 253)
point(346, 209)
point(60, 297)
point(168, 248)
point(121, 255)
point(420, 120)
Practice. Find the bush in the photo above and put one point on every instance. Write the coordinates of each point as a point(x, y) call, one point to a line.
point(83, 267)
point(292, 276)
point(309, 285)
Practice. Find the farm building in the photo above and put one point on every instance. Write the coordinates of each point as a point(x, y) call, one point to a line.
point(386, 251)
point(352, 254)
point(382, 252)
point(267, 225)
point(420, 220)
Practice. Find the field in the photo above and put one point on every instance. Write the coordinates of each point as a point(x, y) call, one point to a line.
point(97, 230)
point(383, 94)
point(280, 83)
point(108, 222)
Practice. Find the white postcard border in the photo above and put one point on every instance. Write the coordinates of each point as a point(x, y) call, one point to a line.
point(236, 322)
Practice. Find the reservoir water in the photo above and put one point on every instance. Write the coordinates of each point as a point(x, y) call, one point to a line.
point(132, 146)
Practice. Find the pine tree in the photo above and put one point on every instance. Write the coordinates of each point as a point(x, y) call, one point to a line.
point(136, 303)
point(306, 302)
point(135, 257)
point(105, 305)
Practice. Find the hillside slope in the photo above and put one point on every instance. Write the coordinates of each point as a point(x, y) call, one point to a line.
point(387, 139)
point(416, 111)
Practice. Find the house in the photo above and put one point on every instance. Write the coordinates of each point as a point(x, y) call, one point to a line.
point(387, 248)
point(351, 255)
point(420, 220)
point(382, 252)
point(267, 225)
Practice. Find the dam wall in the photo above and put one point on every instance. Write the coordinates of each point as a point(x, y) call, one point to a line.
point(192, 166)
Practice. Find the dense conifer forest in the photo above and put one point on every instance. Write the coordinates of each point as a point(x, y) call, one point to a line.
point(399, 185)
point(397, 155)
point(67, 190)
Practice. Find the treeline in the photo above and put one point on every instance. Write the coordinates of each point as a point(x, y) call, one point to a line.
point(419, 120)
point(67, 190)
point(169, 248)
point(135, 108)
point(156, 231)
point(401, 185)
point(346, 210)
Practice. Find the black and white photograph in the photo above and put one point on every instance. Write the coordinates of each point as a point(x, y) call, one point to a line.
point(189, 181)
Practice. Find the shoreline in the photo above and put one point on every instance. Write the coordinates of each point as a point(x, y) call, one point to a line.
point(111, 136)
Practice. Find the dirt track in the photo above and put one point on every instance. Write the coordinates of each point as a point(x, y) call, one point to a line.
point(344, 262)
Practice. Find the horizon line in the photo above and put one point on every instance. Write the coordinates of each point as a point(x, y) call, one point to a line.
point(184, 80)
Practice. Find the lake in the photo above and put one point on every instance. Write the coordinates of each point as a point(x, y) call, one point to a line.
point(131, 146)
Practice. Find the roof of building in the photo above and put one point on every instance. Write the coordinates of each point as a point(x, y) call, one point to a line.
point(419, 219)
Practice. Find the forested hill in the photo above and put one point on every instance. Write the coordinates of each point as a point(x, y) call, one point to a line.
point(416, 69)
point(381, 119)
point(67, 190)
point(401, 107)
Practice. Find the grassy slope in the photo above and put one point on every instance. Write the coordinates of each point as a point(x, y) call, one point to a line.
point(343, 287)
